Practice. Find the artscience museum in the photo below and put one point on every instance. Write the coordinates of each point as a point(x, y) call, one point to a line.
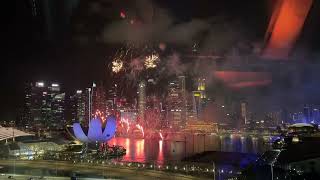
point(96, 131)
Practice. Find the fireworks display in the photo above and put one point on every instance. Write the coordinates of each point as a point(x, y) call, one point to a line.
point(100, 115)
point(135, 59)
point(120, 58)
point(140, 128)
point(161, 136)
point(125, 122)
point(117, 66)
point(133, 63)
point(151, 61)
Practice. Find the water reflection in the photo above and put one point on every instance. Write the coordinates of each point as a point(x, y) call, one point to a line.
point(162, 151)
point(160, 154)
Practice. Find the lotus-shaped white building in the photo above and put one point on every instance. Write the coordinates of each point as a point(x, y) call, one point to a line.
point(96, 132)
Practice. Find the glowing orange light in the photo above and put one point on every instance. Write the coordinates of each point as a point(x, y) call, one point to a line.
point(234, 76)
point(237, 79)
point(285, 26)
point(251, 84)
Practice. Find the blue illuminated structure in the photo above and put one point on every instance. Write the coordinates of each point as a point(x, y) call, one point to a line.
point(96, 133)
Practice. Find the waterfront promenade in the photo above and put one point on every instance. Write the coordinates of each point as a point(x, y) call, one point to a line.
point(110, 171)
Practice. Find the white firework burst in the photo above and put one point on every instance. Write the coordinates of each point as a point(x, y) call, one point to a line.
point(117, 66)
point(151, 61)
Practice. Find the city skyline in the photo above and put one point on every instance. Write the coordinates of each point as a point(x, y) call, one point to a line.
point(92, 62)
point(160, 89)
point(46, 106)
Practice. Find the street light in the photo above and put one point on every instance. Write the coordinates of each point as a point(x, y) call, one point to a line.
point(214, 170)
point(271, 166)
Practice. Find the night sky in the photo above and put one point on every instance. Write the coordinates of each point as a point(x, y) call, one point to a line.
point(29, 55)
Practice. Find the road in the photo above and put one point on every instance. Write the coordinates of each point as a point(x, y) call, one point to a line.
point(26, 177)
point(108, 171)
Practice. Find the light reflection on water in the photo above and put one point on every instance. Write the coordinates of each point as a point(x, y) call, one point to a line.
point(163, 151)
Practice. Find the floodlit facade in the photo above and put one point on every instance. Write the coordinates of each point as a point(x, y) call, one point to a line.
point(199, 99)
point(142, 100)
point(78, 106)
point(176, 102)
point(44, 106)
point(96, 132)
point(28, 150)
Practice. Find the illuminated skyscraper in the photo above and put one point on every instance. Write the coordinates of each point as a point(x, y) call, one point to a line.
point(307, 113)
point(88, 105)
point(112, 98)
point(99, 99)
point(315, 116)
point(182, 84)
point(199, 98)
point(95, 101)
point(177, 103)
point(46, 104)
point(244, 112)
point(142, 100)
point(284, 116)
point(26, 118)
point(78, 107)
point(57, 108)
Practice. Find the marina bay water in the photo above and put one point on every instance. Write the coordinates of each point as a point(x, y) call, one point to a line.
point(164, 151)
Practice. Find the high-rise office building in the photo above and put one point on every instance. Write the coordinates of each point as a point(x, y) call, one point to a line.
point(99, 99)
point(26, 119)
point(78, 107)
point(315, 116)
point(45, 103)
point(58, 110)
point(182, 84)
point(142, 101)
point(177, 103)
point(88, 105)
point(244, 112)
point(311, 114)
point(284, 116)
point(199, 98)
point(95, 102)
point(307, 113)
point(173, 104)
point(238, 111)
point(112, 98)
